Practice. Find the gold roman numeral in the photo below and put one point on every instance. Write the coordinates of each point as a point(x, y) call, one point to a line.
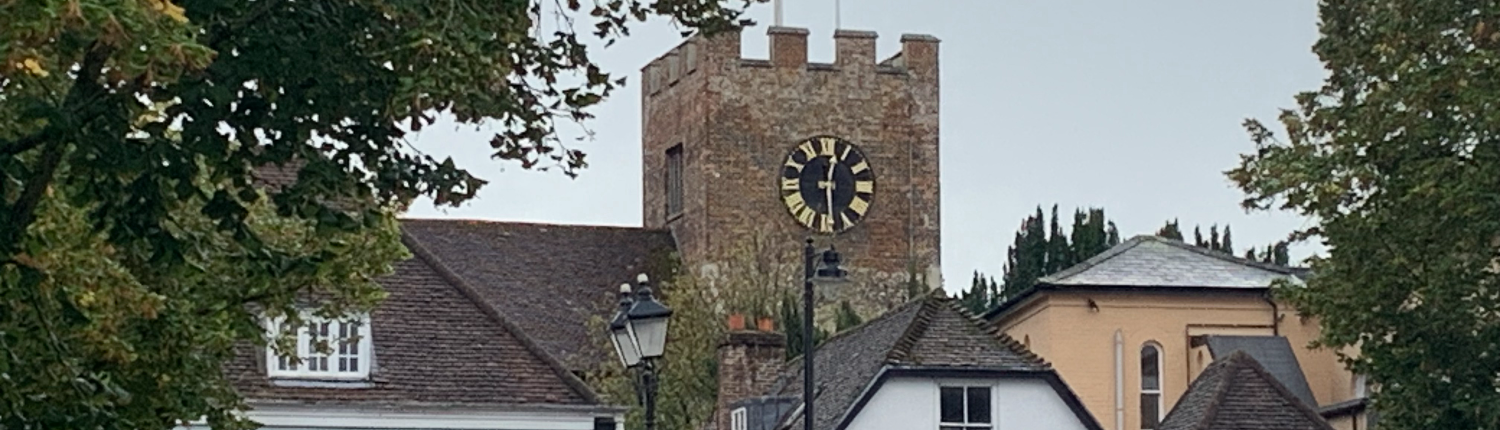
point(795, 203)
point(825, 223)
point(794, 164)
point(860, 167)
point(805, 216)
point(828, 146)
point(847, 222)
point(864, 187)
point(807, 149)
point(790, 185)
point(859, 205)
point(845, 154)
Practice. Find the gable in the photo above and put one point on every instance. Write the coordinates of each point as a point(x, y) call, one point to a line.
point(548, 280)
point(431, 345)
point(912, 402)
point(1236, 393)
point(1149, 261)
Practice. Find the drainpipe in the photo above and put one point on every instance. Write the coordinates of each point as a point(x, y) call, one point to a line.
point(1275, 313)
point(1119, 380)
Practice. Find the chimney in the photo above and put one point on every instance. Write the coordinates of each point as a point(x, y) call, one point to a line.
point(749, 360)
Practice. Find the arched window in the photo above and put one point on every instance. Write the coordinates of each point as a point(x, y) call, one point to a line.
point(1151, 407)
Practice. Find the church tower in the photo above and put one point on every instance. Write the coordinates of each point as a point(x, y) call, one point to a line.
point(776, 151)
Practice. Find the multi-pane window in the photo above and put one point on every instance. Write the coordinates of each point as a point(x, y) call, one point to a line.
point(326, 349)
point(1151, 405)
point(738, 419)
point(674, 180)
point(964, 408)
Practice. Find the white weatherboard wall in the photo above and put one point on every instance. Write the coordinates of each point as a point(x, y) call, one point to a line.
point(907, 403)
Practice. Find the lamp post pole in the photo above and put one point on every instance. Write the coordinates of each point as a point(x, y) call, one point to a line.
point(648, 381)
point(808, 271)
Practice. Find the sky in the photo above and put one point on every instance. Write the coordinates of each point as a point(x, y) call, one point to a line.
point(1135, 107)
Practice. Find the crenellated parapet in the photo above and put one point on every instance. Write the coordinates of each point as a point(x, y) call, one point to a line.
point(854, 53)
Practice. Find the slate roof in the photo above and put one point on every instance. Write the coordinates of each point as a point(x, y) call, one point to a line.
point(931, 332)
point(1274, 353)
point(1236, 393)
point(434, 344)
point(548, 279)
point(1151, 261)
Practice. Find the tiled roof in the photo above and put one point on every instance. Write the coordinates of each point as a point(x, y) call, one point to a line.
point(1274, 353)
point(931, 332)
point(1236, 393)
point(433, 345)
point(549, 280)
point(1150, 261)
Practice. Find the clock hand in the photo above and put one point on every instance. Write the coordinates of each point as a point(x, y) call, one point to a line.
point(830, 190)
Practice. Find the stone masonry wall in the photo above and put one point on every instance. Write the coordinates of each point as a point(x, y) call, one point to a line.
point(737, 119)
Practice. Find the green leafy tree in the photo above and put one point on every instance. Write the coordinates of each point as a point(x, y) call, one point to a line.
point(1395, 161)
point(128, 131)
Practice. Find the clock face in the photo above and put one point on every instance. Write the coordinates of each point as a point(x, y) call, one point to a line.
point(827, 184)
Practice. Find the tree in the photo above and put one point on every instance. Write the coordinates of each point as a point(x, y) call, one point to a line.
point(1198, 238)
point(1394, 160)
point(846, 317)
point(142, 120)
point(1226, 244)
point(1059, 252)
point(1170, 231)
point(981, 296)
point(1027, 257)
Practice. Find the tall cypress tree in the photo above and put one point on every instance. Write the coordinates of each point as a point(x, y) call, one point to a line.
point(1198, 238)
point(1226, 245)
point(1059, 254)
point(1027, 257)
point(1113, 235)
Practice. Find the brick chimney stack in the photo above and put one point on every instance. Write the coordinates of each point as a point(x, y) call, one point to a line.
point(749, 360)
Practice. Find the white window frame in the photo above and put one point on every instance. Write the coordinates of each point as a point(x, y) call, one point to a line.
point(1160, 382)
point(361, 354)
point(966, 385)
point(738, 419)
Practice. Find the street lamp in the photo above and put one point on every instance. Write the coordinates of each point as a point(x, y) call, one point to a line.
point(639, 334)
point(818, 268)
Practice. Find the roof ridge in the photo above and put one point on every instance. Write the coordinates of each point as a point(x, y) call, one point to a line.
point(918, 325)
point(1285, 270)
point(848, 331)
point(1244, 359)
point(532, 224)
point(994, 331)
point(1096, 260)
point(472, 295)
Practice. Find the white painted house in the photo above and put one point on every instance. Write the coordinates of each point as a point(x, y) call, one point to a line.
point(925, 365)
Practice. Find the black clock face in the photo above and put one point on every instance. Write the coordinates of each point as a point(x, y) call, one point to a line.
point(827, 184)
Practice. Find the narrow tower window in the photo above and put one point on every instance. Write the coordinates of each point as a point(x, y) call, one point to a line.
point(1150, 386)
point(674, 180)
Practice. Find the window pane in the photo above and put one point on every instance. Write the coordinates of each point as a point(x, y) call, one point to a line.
point(354, 365)
point(979, 405)
point(1150, 371)
point(952, 400)
point(1150, 410)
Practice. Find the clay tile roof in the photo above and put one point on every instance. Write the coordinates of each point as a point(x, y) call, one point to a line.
point(433, 344)
point(930, 332)
point(1236, 393)
point(1150, 261)
point(549, 280)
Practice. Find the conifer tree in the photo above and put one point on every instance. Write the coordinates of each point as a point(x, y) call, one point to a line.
point(1226, 245)
point(846, 318)
point(1059, 254)
point(1198, 238)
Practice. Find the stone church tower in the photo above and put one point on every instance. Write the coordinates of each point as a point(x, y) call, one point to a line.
point(776, 151)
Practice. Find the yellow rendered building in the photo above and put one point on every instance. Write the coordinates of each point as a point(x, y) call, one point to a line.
point(1130, 328)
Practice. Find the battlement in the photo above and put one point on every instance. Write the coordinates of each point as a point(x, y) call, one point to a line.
point(854, 51)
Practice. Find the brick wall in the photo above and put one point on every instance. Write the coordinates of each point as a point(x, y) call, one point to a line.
point(749, 362)
point(738, 118)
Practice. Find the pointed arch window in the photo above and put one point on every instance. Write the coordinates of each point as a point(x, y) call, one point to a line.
point(1151, 403)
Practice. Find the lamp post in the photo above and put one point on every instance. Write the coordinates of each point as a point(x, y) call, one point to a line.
point(816, 271)
point(639, 334)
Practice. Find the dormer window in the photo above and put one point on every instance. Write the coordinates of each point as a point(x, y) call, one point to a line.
point(328, 349)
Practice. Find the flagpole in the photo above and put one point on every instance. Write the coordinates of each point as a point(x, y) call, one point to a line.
point(777, 5)
point(836, 16)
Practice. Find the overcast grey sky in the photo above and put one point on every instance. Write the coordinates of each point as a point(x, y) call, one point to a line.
point(1133, 106)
